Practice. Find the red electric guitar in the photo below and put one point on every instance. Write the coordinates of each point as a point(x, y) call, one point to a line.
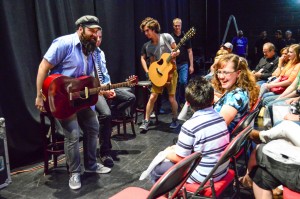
point(63, 96)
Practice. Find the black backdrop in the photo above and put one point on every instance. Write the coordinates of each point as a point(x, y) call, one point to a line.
point(27, 30)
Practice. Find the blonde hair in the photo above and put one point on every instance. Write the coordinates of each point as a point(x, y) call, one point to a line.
point(245, 80)
point(177, 20)
point(296, 49)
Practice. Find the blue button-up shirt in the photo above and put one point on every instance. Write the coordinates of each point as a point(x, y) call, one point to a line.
point(65, 54)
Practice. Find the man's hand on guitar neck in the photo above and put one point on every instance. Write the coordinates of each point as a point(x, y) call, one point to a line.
point(175, 54)
point(108, 94)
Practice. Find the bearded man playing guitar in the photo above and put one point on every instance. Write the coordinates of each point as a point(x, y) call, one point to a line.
point(71, 56)
point(159, 44)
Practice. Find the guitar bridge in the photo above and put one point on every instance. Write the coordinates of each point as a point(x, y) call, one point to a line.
point(86, 92)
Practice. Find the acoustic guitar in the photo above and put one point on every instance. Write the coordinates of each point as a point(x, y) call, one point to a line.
point(63, 96)
point(160, 71)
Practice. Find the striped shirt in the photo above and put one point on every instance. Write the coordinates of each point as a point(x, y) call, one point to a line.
point(205, 132)
point(102, 71)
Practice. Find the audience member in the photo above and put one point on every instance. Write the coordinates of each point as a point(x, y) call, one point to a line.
point(291, 91)
point(278, 42)
point(236, 84)
point(267, 64)
point(258, 47)
point(282, 62)
point(240, 44)
point(204, 132)
point(289, 40)
point(276, 161)
point(270, 91)
point(227, 46)
point(212, 67)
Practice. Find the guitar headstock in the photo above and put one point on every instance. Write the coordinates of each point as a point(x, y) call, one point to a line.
point(132, 80)
point(190, 33)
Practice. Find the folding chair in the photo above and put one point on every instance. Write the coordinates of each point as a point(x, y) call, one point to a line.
point(289, 194)
point(210, 189)
point(175, 177)
point(245, 121)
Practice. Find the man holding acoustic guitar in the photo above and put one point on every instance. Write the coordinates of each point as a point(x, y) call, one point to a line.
point(162, 71)
point(71, 56)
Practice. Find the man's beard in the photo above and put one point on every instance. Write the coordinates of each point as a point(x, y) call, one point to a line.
point(88, 44)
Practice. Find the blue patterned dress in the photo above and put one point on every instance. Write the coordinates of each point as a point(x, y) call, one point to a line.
point(238, 99)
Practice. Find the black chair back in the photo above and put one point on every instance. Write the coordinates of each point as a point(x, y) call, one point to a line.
point(231, 150)
point(245, 122)
point(176, 176)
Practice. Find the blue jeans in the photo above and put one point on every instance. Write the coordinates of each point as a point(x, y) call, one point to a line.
point(119, 104)
point(270, 101)
point(85, 119)
point(265, 97)
point(105, 125)
point(260, 82)
point(159, 170)
point(182, 82)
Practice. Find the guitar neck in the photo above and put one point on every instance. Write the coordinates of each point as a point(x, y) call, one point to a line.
point(84, 94)
point(182, 41)
point(93, 91)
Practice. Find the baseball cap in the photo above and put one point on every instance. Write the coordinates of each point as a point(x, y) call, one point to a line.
point(88, 21)
point(228, 45)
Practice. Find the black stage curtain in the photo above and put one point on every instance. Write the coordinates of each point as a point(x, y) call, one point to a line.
point(27, 30)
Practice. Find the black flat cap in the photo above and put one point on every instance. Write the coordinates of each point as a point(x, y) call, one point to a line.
point(88, 21)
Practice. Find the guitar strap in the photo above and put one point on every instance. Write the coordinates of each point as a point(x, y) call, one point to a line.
point(95, 71)
point(166, 41)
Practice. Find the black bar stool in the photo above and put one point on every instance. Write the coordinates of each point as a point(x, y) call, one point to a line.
point(145, 86)
point(53, 147)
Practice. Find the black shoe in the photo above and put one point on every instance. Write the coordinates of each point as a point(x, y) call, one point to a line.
point(107, 160)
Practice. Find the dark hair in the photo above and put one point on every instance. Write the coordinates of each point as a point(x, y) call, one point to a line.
point(199, 93)
point(151, 23)
point(278, 32)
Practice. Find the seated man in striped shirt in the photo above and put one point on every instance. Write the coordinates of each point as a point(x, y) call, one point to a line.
point(205, 132)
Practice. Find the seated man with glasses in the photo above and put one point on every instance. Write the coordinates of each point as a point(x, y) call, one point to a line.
point(267, 64)
point(236, 88)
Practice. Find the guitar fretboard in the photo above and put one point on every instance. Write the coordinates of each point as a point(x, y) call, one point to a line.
point(92, 91)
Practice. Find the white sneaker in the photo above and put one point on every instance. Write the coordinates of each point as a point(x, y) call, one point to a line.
point(74, 181)
point(153, 115)
point(100, 169)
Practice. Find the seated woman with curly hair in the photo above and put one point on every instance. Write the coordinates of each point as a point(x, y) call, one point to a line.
point(235, 89)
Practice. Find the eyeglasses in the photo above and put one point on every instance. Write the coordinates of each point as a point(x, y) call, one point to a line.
point(225, 73)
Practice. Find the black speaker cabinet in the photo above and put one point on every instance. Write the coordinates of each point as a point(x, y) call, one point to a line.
point(5, 178)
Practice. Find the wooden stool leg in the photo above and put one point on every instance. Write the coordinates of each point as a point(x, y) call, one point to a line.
point(53, 140)
point(118, 126)
point(124, 125)
point(136, 102)
point(132, 127)
point(44, 134)
point(145, 93)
